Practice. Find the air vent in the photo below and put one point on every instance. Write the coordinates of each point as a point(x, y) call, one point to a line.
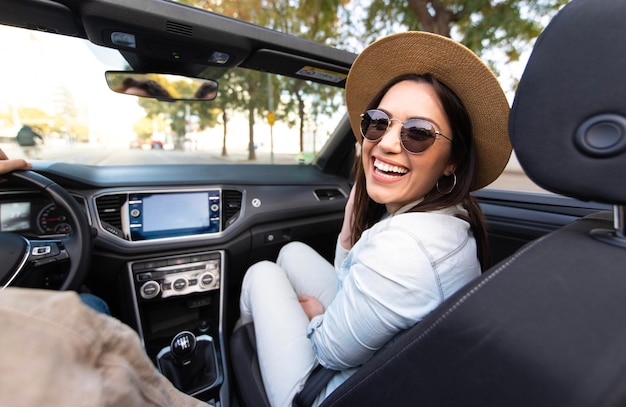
point(231, 207)
point(328, 194)
point(178, 28)
point(109, 212)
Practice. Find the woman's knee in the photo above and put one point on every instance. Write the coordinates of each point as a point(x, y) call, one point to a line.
point(292, 250)
point(260, 273)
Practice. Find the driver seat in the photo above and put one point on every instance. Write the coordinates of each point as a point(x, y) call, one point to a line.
point(544, 327)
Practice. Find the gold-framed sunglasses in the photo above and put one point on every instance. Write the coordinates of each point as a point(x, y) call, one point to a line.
point(416, 135)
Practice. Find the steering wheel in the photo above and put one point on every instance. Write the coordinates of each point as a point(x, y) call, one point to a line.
point(21, 255)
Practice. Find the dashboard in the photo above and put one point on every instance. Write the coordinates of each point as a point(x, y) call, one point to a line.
point(142, 209)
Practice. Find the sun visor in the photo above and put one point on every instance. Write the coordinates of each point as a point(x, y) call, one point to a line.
point(40, 15)
point(297, 66)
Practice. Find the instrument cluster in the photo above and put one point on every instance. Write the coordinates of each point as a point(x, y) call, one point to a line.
point(32, 214)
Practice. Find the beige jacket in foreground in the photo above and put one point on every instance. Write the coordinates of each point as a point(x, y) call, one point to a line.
point(55, 351)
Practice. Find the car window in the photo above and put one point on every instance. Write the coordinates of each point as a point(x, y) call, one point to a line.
point(56, 85)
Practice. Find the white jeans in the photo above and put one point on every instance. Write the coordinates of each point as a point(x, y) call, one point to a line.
point(269, 297)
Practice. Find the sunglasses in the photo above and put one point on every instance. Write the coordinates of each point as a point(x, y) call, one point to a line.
point(416, 135)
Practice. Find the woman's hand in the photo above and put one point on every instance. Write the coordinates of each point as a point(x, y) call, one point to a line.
point(7, 165)
point(345, 237)
point(312, 306)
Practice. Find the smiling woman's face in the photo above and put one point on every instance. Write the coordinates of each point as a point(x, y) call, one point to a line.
point(393, 176)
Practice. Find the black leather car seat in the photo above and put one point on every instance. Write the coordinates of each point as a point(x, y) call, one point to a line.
point(245, 363)
point(545, 327)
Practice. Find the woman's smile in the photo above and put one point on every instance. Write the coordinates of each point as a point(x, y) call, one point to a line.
point(387, 171)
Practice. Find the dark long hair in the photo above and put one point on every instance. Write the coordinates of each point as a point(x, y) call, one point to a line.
point(367, 212)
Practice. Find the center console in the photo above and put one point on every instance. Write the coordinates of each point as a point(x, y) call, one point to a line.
point(179, 304)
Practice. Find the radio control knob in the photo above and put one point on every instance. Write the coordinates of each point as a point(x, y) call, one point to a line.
point(150, 289)
point(179, 284)
point(207, 280)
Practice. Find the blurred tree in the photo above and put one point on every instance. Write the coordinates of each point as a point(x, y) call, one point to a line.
point(316, 20)
point(507, 25)
point(143, 128)
point(247, 90)
point(34, 116)
point(229, 98)
point(177, 114)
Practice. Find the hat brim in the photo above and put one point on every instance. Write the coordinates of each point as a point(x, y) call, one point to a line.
point(452, 64)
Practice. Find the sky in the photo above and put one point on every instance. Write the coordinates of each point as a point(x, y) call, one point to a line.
point(25, 73)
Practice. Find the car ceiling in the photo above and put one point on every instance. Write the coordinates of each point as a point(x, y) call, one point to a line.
point(164, 28)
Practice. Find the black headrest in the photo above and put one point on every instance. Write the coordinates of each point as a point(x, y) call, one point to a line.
point(568, 121)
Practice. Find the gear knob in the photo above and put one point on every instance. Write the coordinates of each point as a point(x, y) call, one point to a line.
point(183, 347)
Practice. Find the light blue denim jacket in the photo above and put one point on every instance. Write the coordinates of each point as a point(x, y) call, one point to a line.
point(400, 270)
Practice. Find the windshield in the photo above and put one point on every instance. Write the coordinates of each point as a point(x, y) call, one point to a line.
point(55, 105)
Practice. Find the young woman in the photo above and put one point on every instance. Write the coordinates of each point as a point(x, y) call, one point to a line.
point(431, 120)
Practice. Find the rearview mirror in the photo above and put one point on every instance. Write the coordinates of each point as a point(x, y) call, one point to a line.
point(161, 86)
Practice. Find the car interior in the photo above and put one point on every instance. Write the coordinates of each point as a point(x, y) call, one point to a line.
point(542, 327)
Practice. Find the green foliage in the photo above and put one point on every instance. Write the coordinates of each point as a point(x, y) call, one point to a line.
point(257, 94)
point(177, 114)
point(479, 24)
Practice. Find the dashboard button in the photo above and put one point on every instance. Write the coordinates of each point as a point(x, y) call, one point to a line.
point(179, 284)
point(144, 276)
point(150, 290)
point(139, 266)
point(207, 280)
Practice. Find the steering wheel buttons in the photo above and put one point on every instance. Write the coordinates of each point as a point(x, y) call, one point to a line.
point(40, 250)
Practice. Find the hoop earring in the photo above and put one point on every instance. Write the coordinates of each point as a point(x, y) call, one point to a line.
point(451, 188)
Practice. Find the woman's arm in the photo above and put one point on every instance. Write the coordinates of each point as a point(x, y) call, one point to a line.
point(345, 236)
point(344, 240)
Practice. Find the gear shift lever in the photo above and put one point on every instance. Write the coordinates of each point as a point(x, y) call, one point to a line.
point(183, 348)
point(190, 363)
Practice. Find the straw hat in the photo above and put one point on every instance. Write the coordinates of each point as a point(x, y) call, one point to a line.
point(455, 66)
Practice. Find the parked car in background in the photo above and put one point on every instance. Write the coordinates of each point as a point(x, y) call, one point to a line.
point(135, 143)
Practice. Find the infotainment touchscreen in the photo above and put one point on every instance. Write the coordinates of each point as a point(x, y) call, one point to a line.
point(173, 214)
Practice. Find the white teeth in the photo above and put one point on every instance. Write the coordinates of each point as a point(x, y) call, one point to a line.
point(389, 168)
